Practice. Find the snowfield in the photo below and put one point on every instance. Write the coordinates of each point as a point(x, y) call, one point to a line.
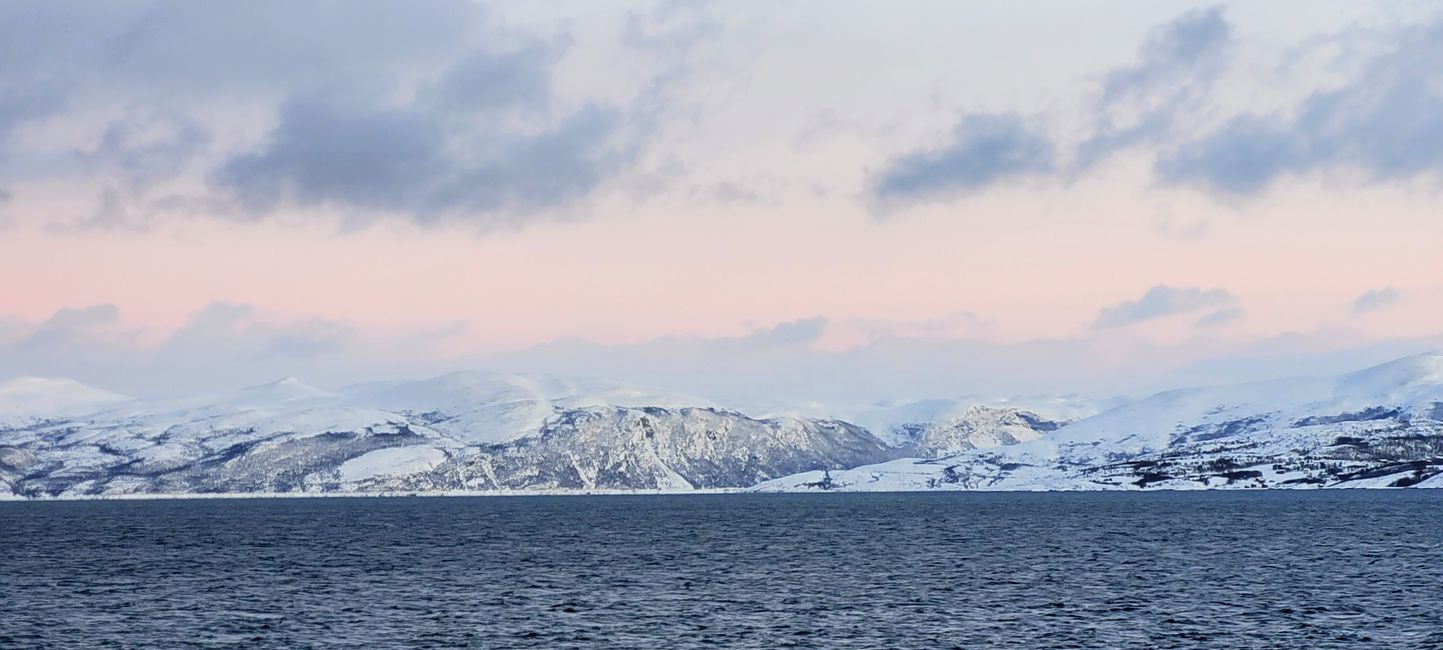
point(478, 433)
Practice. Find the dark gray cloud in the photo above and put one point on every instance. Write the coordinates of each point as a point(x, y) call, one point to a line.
point(174, 50)
point(1376, 299)
point(1172, 54)
point(981, 150)
point(485, 81)
point(1384, 125)
point(412, 160)
point(1137, 104)
point(1161, 301)
point(429, 111)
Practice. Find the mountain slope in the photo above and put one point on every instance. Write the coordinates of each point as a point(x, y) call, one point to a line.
point(458, 431)
point(1378, 427)
point(653, 448)
point(29, 398)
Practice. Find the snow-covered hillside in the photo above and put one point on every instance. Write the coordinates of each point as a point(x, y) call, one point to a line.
point(1382, 426)
point(29, 398)
point(1378, 427)
point(456, 431)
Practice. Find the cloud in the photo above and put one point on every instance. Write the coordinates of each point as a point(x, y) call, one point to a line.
point(792, 333)
point(172, 51)
point(955, 325)
point(1137, 104)
point(227, 345)
point(146, 148)
point(247, 335)
point(410, 161)
point(1376, 299)
point(1101, 366)
point(70, 325)
point(1219, 318)
point(1161, 301)
point(671, 27)
point(1182, 47)
point(981, 151)
point(222, 346)
point(1176, 67)
point(1385, 124)
point(432, 112)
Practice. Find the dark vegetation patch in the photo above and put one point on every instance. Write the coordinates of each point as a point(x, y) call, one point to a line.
point(1037, 422)
point(1365, 415)
point(1206, 432)
point(1241, 475)
point(1421, 470)
point(1148, 478)
point(826, 483)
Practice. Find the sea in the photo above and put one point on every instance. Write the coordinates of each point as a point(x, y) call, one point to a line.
point(1264, 569)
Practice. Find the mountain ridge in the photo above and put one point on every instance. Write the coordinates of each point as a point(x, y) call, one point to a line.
point(489, 432)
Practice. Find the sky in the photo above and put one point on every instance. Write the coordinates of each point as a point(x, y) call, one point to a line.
point(803, 200)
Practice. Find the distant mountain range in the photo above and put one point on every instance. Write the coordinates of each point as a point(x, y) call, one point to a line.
point(477, 432)
point(1380, 427)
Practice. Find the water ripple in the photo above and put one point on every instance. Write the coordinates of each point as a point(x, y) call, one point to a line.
point(1164, 570)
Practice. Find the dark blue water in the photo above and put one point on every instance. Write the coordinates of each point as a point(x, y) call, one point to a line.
point(1205, 570)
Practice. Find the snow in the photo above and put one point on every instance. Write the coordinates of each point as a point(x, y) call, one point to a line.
point(394, 461)
point(487, 408)
point(28, 398)
point(1368, 428)
point(1284, 430)
point(889, 419)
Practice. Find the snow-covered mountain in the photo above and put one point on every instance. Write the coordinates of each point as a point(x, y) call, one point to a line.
point(488, 432)
point(1374, 428)
point(457, 431)
point(937, 427)
point(29, 398)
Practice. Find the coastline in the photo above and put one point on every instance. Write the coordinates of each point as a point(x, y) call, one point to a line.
point(203, 496)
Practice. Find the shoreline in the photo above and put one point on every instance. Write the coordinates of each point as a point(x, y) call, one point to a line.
point(204, 496)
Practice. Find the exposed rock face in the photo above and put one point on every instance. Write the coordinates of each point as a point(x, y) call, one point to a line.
point(1381, 427)
point(980, 427)
point(476, 434)
point(654, 448)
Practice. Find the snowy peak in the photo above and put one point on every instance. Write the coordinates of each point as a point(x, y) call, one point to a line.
point(1377, 427)
point(950, 425)
point(32, 397)
point(459, 390)
point(1410, 384)
point(1403, 380)
point(277, 393)
point(485, 408)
